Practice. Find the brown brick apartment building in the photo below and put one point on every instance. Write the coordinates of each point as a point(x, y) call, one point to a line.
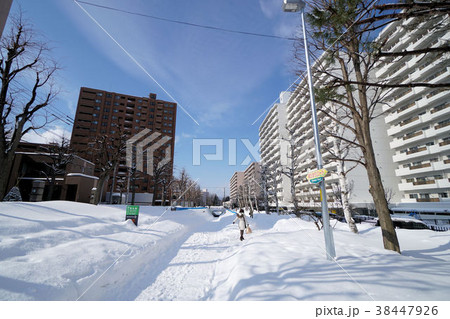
point(102, 113)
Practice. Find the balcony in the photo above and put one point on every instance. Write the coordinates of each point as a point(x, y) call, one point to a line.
point(401, 112)
point(410, 136)
point(426, 200)
point(404, 125)
point(423, 168)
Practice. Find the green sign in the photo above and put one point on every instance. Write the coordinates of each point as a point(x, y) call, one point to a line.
point(316, 180)
point(132, 210)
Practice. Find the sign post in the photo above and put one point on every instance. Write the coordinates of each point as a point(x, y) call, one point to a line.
point(132, 213)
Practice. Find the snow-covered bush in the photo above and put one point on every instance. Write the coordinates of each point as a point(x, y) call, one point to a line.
point(13, 195)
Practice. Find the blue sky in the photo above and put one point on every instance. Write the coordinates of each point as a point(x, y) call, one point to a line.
point(224, 81)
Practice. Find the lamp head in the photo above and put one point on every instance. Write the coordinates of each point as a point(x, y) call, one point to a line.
point(293, 5)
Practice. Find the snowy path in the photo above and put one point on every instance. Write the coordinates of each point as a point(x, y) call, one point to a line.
point(189, 275)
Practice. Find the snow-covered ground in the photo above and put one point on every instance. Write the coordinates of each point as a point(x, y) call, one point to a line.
point(72, 251)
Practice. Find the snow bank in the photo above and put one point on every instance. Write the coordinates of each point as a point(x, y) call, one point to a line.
point(57, 250)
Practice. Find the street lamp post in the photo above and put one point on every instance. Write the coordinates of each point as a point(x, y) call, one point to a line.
point(296, 6)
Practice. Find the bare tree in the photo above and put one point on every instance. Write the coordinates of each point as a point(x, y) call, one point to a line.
point(182, 185)
point(27, 73)
point(265, 187)
point(295, 146)
point(161, 177)
point(166, 182)
point(341, 145)
point(109, 151)
point(59, 156)
point(273, 179)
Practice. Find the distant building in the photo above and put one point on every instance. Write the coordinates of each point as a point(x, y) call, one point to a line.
point(102, 113)
point(273, 145)
point(205, 197)
point(74, 184)
point(252, 181)
point(236, 182)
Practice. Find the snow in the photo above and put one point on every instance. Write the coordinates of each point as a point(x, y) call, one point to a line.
point(73, 251)
point(82, 175)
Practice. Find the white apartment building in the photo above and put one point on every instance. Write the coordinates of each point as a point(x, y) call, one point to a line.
point(273, 149)
point(411, 140)
point(308, 195)
point(419, 117)
point(252, 180)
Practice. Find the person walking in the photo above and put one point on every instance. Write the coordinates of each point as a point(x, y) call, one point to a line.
point(242, 223)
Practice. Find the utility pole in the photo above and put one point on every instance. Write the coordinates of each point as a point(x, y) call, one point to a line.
point(295, 6)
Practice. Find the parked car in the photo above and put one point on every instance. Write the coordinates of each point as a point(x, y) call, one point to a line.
point(407, 223)
point(361, 218)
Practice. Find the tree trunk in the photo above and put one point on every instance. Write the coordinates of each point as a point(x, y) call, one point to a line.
point(250, 201)
point(376, 189)
point(154, 193)
point(112, 184)
point(344, 200)
point(98, 193)
point(6, 164)
point(51, 188)
point(362, 126)
point(163, 198)
point(293, 195)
